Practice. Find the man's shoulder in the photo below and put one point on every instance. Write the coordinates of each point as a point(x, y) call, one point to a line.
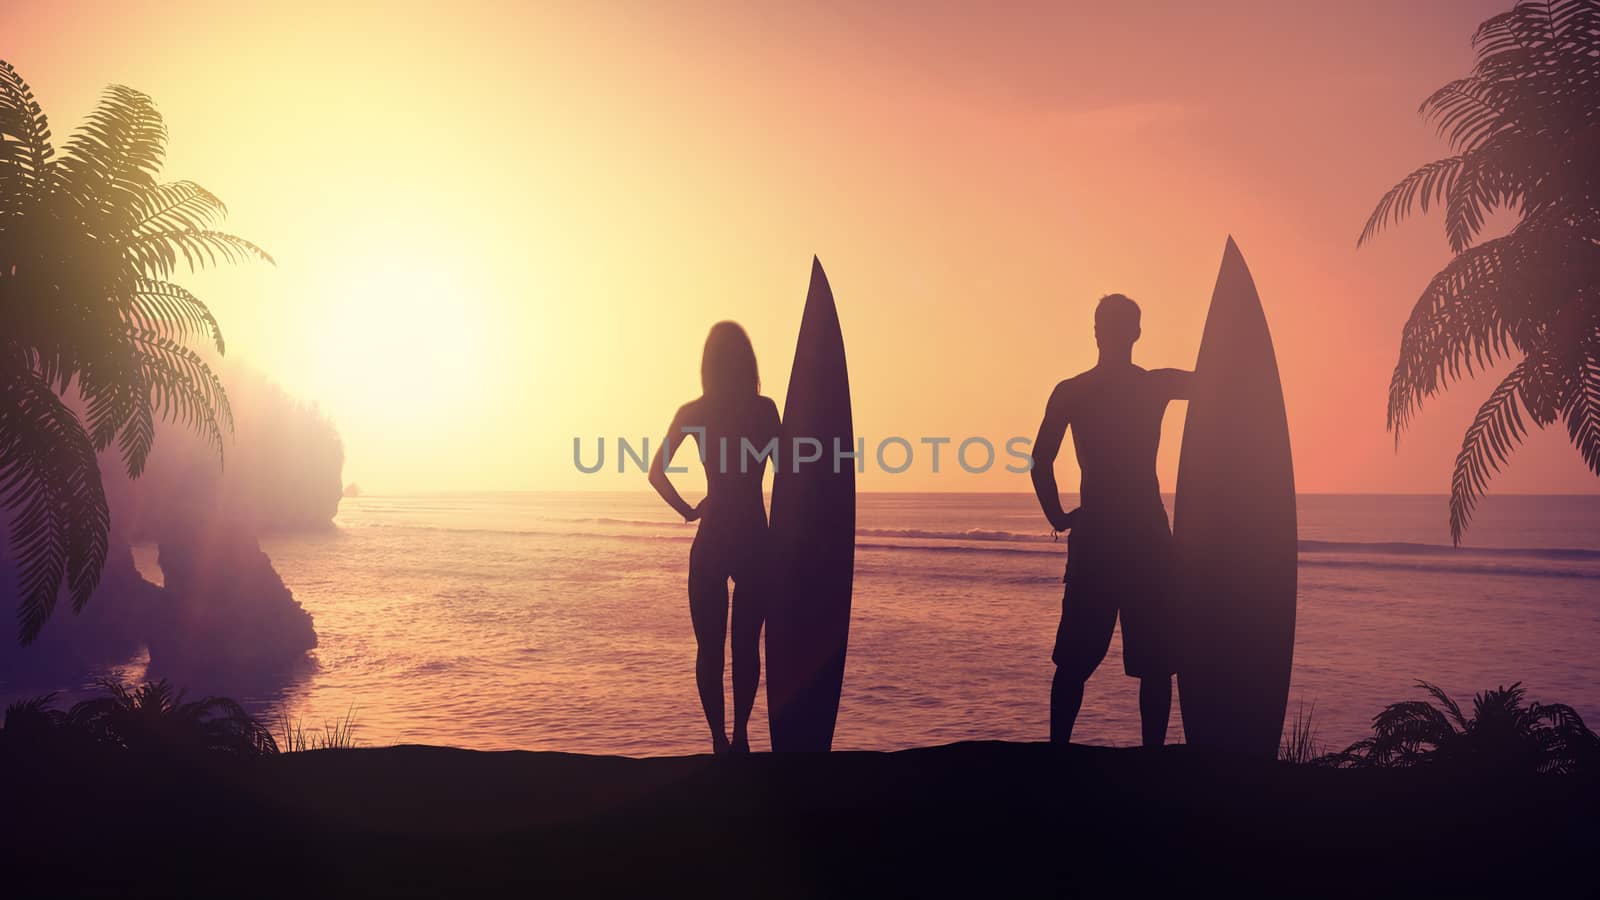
point(1065, 395)
point(1067, 387)
point(1076, 381)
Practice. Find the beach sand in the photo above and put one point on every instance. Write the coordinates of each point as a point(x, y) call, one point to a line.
point(970, 818)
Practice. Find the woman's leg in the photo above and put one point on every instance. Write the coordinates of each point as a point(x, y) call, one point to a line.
point(748, 614)
point(708, 609)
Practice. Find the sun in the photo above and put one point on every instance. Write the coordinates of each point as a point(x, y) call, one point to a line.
point(402, 344)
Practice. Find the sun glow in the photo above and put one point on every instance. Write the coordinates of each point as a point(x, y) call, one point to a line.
point(403, 337)
point(530, 242)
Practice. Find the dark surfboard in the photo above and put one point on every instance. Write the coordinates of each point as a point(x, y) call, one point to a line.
point(813, 537)
point(1234, 527)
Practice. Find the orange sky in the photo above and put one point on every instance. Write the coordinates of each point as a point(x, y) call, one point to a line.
point(499, 228)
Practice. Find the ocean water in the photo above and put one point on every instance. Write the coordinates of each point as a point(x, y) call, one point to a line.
point(560, 621)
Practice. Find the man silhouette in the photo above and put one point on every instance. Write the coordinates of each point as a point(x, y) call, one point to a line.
point(1120, 548)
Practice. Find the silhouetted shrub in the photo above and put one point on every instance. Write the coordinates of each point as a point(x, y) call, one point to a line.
point(1502, 735)
point(151, 718)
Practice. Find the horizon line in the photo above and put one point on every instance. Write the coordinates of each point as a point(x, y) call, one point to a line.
point(767, 491)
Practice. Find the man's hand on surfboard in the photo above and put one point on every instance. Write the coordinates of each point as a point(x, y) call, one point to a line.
point(1065, 521)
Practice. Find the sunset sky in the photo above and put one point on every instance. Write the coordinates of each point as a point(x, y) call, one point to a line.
point(498, 228)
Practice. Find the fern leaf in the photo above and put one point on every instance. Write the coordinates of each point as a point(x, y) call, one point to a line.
point(179, 206)
point(50, 481)
point(1582, 409)
point(112, 159)
point(1494, 432)
point(170, 310)
point(155, 253)
point(25, 157)
point(1420, 187)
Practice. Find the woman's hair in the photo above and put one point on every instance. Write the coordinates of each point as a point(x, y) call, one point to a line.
point(728, 366)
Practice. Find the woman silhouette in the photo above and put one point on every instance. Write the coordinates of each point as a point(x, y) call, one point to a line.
point(732, 423)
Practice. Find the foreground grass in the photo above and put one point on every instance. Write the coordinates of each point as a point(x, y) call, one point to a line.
point(338, 734)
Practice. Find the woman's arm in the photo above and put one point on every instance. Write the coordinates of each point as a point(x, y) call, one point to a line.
point(658, 470)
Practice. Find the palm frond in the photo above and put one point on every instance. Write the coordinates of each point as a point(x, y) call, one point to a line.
point(1458, 325)
point(155, 253)
point(1532, 25)
point(1451, 708)
point(118, 409)
point(1502, 701)
point(178, 206)
point(1582, 410)
point(1485, 301)
point(138, 434)
point(1496, 429)
point(1422, 187)
point(49, 479)
point(111, 161)
point(1474, 193)
point(25, 157)
point(168, 309)
point(1465, 112)
point(109, 383)
point(184, 388)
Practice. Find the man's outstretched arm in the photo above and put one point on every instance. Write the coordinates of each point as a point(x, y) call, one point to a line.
point(1045, 448)
point(1175, 382)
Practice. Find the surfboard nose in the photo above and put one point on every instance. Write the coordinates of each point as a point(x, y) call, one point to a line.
point(1231, 253)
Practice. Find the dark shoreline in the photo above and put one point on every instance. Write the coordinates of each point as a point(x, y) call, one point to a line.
point(971, 818)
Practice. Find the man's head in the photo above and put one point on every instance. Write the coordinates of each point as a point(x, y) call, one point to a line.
point(1116, 322)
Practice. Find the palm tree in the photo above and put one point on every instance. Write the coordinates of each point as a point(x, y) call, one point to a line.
point(89, 241)
point(1502, 735)
point(1525, 131)
point(153, 718)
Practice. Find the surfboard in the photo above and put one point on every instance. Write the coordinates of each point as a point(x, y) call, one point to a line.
point(1234, 530)
point(813, 536)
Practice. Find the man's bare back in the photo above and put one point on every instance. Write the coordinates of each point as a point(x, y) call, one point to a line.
point(1119, 552)
point(1115, 413)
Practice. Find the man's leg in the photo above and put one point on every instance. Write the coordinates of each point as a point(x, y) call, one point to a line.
point(1066, 698)
point(1088, 617)
point(1155, 708)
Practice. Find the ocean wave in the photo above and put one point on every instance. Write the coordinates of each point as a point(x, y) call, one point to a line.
point(683, 535)
point(647, 523)
point(971, 534)
point(990, 535)
point(1379, 554)
point(954, 548)
point(1494, 569)
point(1405, 548)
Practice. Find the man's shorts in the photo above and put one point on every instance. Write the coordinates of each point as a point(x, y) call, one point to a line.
point(1111, 571)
